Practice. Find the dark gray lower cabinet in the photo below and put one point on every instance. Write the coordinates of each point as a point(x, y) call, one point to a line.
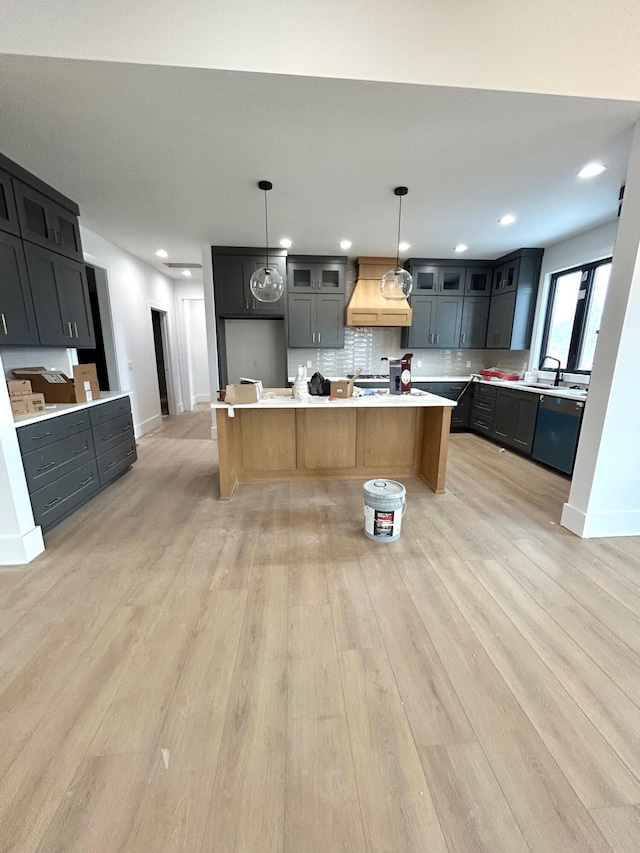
point(316, 320)
point(452, 390)
point(61, 299)
point(515, 419)
point(68, 459)
point(17, 316)
point(483, 408)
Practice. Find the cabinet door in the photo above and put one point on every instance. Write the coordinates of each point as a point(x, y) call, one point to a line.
point(425, 279)
point(301, 277)
point(330, 320)
point(506, 417)
point(302, 320)
point(448, 322)
point(421, 332)
point(17, 317)
point(478, 281)
point(330, 278)
point(257, 308)
point(451, 280)
point(8, 212)
point(501, 320)
point(475, 314)
point(47, 223)
point(505, 276)
point(525, 426)
point(229, 286)
point(60, 298)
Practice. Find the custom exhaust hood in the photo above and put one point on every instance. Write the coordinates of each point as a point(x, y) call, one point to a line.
point(367, 306)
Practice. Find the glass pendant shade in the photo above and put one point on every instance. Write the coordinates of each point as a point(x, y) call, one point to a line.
point(267, 285)
point(396, 284)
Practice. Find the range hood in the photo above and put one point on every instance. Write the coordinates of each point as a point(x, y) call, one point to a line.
point(367, 306)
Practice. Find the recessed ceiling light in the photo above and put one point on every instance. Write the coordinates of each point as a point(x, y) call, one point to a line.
point(507, 219)
point(404, 246)
point(286, 243)
point(591, 170)
point(460, 248)
point(187, 273)
point(345, 244)
point(162, 254)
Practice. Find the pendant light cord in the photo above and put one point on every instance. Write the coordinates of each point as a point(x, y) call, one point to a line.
point(398, 243)
point(266, 228)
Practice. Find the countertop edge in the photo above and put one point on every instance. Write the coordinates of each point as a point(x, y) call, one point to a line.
point(66, 408)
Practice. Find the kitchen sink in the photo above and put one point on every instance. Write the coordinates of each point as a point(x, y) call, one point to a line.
point(571, 392)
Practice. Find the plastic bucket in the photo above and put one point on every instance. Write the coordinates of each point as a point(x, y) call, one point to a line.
point(384, 502)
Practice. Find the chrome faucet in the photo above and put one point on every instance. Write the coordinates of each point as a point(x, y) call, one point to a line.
point(556, 381)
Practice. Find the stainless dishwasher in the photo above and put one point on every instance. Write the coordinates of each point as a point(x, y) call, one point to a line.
point(557, 430)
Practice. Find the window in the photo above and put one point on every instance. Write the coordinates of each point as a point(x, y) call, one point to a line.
point(576, 300)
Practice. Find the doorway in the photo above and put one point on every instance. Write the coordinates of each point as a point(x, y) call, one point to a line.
point(158, 321)
point(103, 354)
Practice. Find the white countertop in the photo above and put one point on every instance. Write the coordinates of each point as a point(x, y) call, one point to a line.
point(538, 388)
point(386, 400)
point(54, 410)
point(385, 381)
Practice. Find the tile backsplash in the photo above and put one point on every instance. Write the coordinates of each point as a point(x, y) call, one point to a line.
point(55, 358)
point(364, 347)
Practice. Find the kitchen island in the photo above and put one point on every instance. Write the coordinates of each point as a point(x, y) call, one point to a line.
point(359, 438)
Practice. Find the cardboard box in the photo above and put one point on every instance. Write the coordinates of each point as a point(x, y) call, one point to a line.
point(58, 388)
point(18, 387)
point(342, 388)
point(27, 404)
point(249, 392)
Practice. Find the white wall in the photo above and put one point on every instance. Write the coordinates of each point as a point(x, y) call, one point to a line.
point(588, 48)
point(134, 289)
point(194, 363)
point(592, 245)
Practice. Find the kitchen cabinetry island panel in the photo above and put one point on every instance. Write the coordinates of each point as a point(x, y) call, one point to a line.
point(358, 438)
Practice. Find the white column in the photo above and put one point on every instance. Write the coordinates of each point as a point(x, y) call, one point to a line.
point(605, 491)
point(20, 539)
point(212, 340)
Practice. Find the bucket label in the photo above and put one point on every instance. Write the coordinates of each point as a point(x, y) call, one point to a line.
point(378, 522)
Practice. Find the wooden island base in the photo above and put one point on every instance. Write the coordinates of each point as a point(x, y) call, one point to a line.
point(259, 444)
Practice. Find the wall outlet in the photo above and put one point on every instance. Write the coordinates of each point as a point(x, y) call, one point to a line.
point(309, 364)
point(468, 364)
point(419, 363)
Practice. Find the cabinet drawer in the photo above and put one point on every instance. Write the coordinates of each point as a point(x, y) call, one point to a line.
point(484, 406)
point(487, 391)
point(45, 432)
point(106, 411)
point(481, 423)
point(111, 433)
point(59, 498)
point(53, 461)
point(116, 461)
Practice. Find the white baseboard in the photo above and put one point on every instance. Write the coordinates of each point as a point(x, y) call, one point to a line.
point(214, 432)
point(148, 425)
point(179, 408)
point(200, 398)
point(598, 524)
point(19, 550)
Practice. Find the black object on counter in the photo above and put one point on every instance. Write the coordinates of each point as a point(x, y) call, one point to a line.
point(319, 386)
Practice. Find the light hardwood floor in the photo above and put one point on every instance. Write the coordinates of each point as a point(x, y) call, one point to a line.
point(180, 674)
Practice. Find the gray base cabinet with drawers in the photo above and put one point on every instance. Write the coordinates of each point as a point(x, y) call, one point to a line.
point(70, 458)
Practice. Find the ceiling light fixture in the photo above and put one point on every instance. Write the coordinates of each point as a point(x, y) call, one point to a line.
point(397, 283)
point(460, 248)
point(162, 254)
point(403, 246)
point(345, 244)
point(591, 170)
point(286, 243)
point(507, 219)
point(266, 283)
point(187, 273)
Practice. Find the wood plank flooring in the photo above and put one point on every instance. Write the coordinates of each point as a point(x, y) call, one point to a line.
point(180, 675)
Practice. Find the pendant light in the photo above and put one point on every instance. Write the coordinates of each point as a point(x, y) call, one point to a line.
point(266, 283)
point(397, 283)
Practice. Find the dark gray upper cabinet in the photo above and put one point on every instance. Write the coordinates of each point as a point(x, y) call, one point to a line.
point(478, 281)
point(8, 211)
point(514, 421)
point(475, 314)
point(45, 222)
point(436, 322)
point(231, 276)
point(61, 299)
point(501, 320)
point(302, 319)
point(513, 302)
point(330, 320)
point(316, 320)
point(17, 317)
point(505, 276)
point(436, 279)
point(305, 275)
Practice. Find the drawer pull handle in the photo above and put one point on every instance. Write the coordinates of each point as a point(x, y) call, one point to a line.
point(52, 503)
point(107, 437)
point(130, 453)
point(77, 423)
point(110, 465)
point(46, 467)
point(70, 329)
point(38, 437)
point(75, 329)
point(4, 324)
point(81, 450)
point(127, 428)
point(87, 481)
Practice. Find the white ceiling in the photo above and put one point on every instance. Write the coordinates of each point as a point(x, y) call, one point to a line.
point(168, 156)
